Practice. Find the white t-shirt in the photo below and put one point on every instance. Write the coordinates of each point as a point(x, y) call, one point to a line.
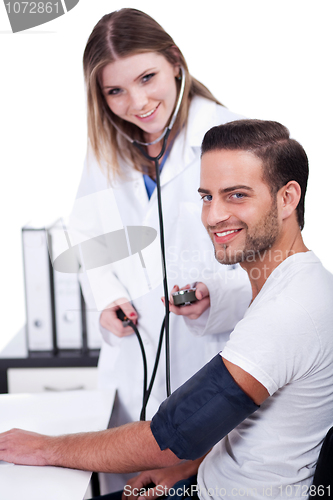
point(285, 341)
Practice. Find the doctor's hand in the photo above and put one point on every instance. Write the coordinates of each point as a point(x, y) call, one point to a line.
point(163, 479)
point(109, 320)
point(194, 310)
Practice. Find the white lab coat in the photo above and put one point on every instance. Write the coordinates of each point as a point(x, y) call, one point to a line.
point(189, 256)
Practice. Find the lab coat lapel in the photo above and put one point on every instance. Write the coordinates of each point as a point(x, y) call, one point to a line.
point(202, 116)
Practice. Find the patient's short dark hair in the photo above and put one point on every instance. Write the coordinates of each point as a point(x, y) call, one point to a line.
point(283, 158)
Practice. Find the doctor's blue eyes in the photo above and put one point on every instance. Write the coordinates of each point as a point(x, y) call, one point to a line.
point(114, 91)
point(207, 197)
point(148, 77)
point(117, 91)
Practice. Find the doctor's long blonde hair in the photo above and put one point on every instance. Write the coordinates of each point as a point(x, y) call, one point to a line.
point(121, 34)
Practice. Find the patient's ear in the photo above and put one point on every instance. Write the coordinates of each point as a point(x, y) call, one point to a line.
point(288, 198)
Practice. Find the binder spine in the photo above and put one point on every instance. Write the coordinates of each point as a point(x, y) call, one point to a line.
point(38, 291)
point(66, 294)
point(57, 316)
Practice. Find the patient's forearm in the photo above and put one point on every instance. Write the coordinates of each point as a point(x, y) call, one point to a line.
point(129, 448)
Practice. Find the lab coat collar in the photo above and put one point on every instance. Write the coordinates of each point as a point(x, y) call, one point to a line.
point(202, 116)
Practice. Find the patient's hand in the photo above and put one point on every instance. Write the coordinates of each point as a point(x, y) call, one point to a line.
point(163, 479)
point(23, 447)
point(192, 311)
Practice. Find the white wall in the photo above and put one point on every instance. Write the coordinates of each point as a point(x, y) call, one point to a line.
point(264, 59)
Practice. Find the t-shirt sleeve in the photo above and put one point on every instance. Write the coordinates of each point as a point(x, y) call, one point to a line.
point(275, 343)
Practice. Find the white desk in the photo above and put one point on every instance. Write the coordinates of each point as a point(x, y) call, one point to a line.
point(53, 414)
point(18, 368)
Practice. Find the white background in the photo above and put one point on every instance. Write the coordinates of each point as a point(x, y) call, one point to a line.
point(269, 59)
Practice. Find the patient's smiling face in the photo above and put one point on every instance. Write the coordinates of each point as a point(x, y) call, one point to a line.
point(238, 210)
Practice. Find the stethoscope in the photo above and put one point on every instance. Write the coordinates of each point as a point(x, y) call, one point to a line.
point(165, 325)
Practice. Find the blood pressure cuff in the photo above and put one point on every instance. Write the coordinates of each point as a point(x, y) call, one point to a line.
point(201, 412)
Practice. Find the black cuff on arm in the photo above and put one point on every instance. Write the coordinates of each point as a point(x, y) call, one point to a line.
point(201, 412)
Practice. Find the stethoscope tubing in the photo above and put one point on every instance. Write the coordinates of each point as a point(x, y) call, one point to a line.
point(162, 244)
point(165, 324)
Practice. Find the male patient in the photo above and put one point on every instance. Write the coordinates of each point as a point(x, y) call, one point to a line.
point(264, 404)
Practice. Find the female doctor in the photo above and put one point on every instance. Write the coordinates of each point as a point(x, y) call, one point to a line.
point(133, 72)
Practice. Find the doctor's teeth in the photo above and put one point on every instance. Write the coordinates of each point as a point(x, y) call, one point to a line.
point(147, 114)
point(225, 233)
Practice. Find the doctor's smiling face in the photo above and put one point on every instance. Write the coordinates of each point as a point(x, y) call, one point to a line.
point(141, 89)
point(238, 210)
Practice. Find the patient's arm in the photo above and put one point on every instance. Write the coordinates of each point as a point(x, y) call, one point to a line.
point(129, 448)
